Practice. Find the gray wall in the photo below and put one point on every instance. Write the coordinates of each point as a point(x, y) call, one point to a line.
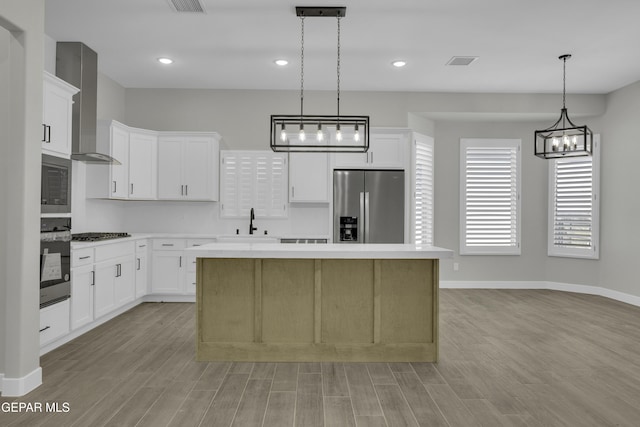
point(20, 216)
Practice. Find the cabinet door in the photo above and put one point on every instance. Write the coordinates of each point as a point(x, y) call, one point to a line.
point(308, 177)
point(104, 288)
point(197, 169)
point(351, 160)
point(82, 279)
point(125, 283)
point(54, 322)
point(387, 150)
point(142, 166)
point(170, 186)
point(57, 104)
point(120, 173)
point(167, 272)
point(142, 273)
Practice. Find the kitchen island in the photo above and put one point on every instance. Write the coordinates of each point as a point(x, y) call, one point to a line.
point(325, 302)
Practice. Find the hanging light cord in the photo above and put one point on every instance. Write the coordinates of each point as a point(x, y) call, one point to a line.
point(564, 81)
point(302, 68)
point(338, 71)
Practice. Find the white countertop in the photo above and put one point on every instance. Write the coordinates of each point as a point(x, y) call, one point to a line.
point(320, 251)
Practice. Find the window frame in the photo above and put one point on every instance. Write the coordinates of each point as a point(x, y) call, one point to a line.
point(593, 251)
point(490, 143)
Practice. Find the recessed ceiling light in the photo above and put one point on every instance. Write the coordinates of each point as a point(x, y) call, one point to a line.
point(165, 61)
point(281, 62)
point(399, 64)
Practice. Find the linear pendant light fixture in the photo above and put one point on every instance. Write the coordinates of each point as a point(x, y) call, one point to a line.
point(309, 133)
point(563, 138)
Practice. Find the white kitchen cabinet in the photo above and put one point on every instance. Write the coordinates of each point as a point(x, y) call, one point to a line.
point(56, 112)
point(135, 177)
point(54, 322)
point(82, 299)
point(253, 179)
point(190, 260)
point(142, 268)
point(114, 283)
point(308, 177)
point(388, 149)
point(188, 166)
point(143, 165)
point(167, 272)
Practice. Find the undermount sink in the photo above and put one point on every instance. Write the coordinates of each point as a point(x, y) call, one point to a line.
point(243, 238)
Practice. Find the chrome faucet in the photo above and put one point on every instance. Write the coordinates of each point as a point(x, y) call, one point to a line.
point(251, 227)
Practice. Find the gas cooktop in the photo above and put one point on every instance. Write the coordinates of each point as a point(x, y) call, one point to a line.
point(93, 237)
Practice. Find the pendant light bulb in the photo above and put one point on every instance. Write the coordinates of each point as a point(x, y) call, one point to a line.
point(356, 135)
point(302, 135)
point(319, 135)
point(338, 133)
point(283, 134)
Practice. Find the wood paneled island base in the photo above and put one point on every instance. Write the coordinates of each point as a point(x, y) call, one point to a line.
point(317, 309)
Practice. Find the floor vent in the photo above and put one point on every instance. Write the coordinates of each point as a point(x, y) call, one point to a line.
point(462, 60)
point(193, 6)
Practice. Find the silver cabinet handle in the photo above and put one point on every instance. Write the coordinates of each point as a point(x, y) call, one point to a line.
point(132, 188)
point(167, 244)
point(45, 328)
point(372, 157)
point(142, 246)
point(93, 278)
point(138, 259)
point(360, 238)
point(115, 186)
point(85, 257)
point(293, 191)
point(366, 217)
point(118, 270)
point(44, 134)
point(186, 190)
point(180, 265)
point(182, 190)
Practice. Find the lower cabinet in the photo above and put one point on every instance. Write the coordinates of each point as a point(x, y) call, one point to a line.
point(142, 268)
point(167, 272)
point(54, 322)
point(82, 281)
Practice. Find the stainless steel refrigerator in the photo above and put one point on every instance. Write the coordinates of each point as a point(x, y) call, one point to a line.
point(368, 206)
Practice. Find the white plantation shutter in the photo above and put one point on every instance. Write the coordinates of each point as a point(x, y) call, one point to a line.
point(490, 197)
point(423, 225)
point(573, 206)
point(253, 179)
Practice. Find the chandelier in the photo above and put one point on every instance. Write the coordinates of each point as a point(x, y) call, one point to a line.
point(563, 138)
point(310, 133)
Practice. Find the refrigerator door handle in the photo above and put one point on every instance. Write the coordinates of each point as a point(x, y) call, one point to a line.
point(366, 217)
point(361, 219)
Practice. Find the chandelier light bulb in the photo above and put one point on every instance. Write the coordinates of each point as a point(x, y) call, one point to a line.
point(356, 135)
point(338, 133)
point(319, 135)
point(302, 135)
point(283, 134)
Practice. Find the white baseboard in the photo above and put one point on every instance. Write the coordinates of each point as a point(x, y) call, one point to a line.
point(169, 298)
point(554, 286)
point(11, 387)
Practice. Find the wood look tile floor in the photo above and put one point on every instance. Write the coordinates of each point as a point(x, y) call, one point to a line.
point(507, 358)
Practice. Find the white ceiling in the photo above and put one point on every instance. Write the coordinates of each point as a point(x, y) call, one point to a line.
point(234, 44)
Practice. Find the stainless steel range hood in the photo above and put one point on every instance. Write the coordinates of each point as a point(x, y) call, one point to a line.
point(77, 64)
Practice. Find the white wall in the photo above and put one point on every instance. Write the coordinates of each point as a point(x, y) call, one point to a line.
point(20, 164)
point(620, 201)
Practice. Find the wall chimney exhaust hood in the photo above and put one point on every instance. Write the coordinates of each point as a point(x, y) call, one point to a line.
point(77, 64)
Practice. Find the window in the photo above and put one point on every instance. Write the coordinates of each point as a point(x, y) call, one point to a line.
point(423, 196)
point(574, 206)
point(490, 197)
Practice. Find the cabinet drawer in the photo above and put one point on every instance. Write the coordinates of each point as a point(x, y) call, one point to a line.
point(81, 257)
point(142, 245)
point(54, 322)
point(105, 252)
point(199, 242)
point(169, 244)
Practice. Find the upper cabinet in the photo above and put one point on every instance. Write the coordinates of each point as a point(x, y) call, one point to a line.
point(388, 149)
point(187, 166)
point(253, 179)
point(135, 177)
point(154, 165)
point(308, 177)
point(56, 111)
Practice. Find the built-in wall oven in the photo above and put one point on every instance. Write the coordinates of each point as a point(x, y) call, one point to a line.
point(56, 185)
point(55, 260)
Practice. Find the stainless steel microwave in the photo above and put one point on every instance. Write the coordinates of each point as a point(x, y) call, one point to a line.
point(56, 185)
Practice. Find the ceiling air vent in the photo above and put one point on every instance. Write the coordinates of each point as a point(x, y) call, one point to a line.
point(187, 6)
point(462, 60)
